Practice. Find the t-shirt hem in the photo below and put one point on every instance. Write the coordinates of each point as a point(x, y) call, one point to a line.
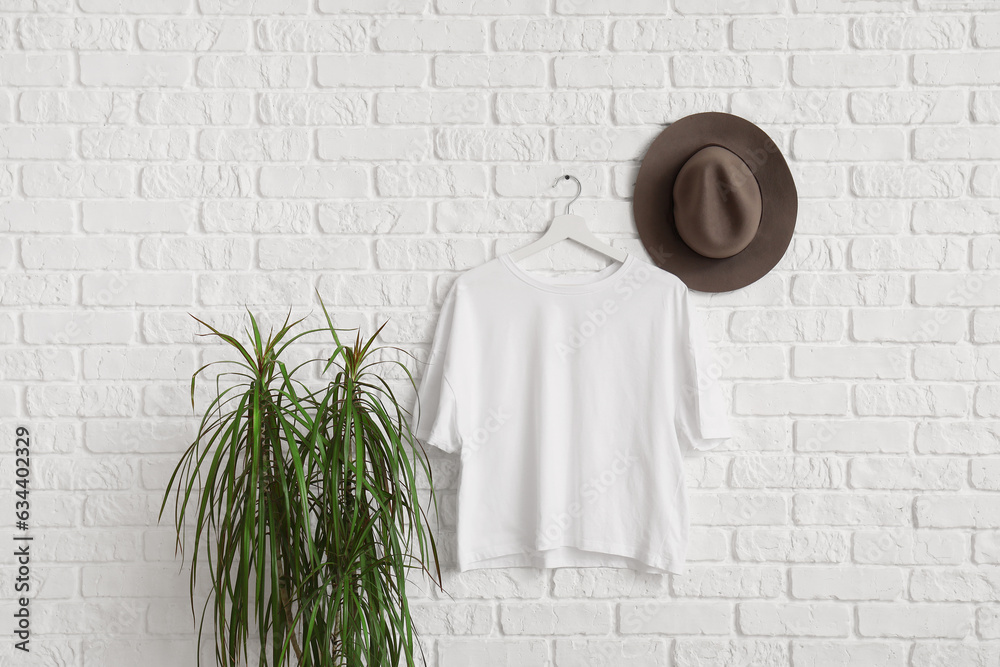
point(710, 441)
point(656, 563)
point(443, 445)
point(717, 434)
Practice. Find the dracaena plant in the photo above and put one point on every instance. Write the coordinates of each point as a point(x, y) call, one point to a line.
point(304, 503)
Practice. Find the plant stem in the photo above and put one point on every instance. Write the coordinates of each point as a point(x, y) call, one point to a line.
point(285, 603)
point(275, 500)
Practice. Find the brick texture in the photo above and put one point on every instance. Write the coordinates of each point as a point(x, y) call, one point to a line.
point(167, 157)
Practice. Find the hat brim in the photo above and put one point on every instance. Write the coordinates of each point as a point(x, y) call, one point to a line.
point(652, 202)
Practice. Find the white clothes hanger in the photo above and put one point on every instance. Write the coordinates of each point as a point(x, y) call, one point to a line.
point(569, 226)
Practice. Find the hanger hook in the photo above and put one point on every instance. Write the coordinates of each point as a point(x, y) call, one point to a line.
point(579, 188)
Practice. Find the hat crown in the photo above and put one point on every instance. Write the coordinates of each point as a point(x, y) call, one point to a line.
point(717, 203)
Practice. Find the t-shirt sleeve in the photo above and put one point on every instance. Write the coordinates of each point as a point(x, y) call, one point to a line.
point(702, 416)
point(436, 409)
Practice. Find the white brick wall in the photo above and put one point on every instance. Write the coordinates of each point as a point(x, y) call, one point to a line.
point(163, 157)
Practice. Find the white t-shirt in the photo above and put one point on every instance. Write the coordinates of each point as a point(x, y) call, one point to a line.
point(572, 401)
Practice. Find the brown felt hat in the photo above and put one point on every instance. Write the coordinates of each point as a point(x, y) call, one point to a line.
point(715, 202)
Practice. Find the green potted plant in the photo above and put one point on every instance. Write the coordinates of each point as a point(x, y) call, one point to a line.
point(305, 503)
